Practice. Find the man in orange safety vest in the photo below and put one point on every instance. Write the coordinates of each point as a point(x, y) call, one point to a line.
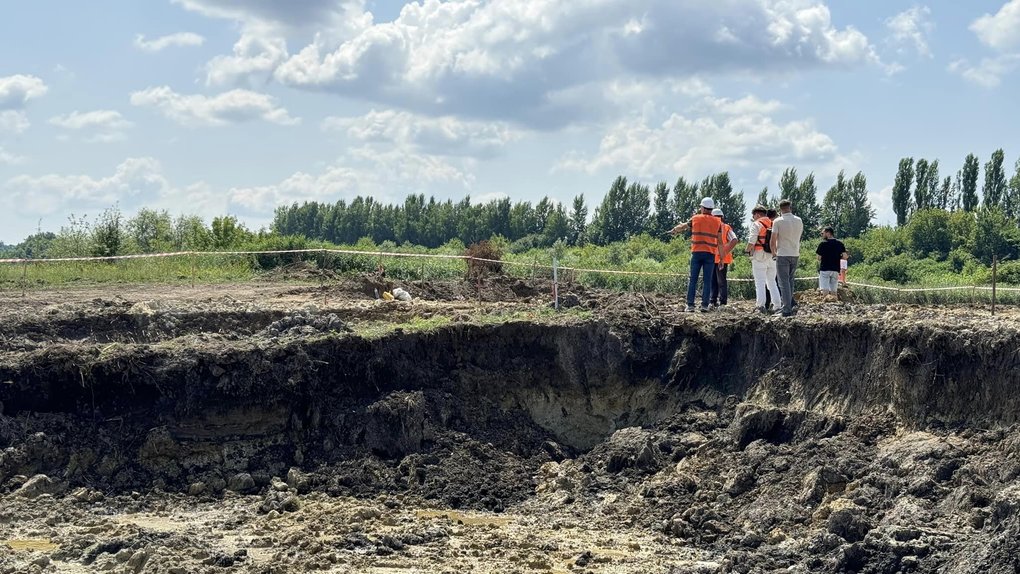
point(720, 289)
point(706, 241)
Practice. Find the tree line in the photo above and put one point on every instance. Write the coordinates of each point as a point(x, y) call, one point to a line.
point(628, 208)
point(923, 201)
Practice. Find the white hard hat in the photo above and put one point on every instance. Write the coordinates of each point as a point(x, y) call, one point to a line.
point(717, 212)
point(708, 203)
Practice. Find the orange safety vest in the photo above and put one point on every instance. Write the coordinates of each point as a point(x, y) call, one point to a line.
point(705, 234)
point(726, 229)
point(764, 225)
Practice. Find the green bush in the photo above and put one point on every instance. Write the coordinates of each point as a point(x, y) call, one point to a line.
point(882, 243)
point(929, 233)
point(1009, 272)
point(895, 269)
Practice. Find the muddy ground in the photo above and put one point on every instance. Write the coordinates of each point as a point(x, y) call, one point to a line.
point(276, 427)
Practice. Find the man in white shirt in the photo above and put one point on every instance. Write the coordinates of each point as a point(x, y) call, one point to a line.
point(786, 233)
point(763, 262)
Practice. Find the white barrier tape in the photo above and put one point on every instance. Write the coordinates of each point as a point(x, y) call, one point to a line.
point(107, 258)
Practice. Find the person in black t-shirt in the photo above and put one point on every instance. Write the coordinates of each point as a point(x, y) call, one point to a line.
point(830, 251)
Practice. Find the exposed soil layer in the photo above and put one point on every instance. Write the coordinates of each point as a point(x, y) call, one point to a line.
point(280, 428)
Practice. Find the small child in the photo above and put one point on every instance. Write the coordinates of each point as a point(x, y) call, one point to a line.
point(842, 271)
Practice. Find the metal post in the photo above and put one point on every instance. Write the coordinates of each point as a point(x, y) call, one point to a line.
point(995, 265)
point(193, 266)
point(556, 284)
point(24, 278)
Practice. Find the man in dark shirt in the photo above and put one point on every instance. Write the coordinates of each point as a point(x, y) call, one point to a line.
point(829, 251)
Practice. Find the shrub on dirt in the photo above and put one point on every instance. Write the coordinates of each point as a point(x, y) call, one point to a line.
point(484, 250)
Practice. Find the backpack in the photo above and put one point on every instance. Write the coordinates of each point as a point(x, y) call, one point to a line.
point(767, 246)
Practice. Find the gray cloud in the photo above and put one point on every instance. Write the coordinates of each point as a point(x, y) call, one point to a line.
point(17, 90)
point(530, 60)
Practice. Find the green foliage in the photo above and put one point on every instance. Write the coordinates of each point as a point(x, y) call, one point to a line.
point(1011, 202)
point(663, 218)
point(895, 269)
point(228, 233)
point(901, 191)
point(968, 183)
point(804, 196)
point(846, 206)
point(74, 239)
point(995, 236)
point(622, 213)
point(686, 199)
point(1009, 273)
point(190, 234)
point(35, 246)
point(995, 180)
point(578, 221)
point(929, 232)
point(732, 204)
point(881, 243)
point(150, 231)
point(962, 227)
point(108, 233)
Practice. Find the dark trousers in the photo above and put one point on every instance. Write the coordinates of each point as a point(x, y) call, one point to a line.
point(701, 262)
point(720, 289)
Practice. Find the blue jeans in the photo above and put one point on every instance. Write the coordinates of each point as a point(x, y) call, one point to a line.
point(786, 270)
point(701, 262)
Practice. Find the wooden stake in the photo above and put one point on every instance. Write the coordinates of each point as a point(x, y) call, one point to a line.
point(24, 278)
point(995, 265)
point(556, 284)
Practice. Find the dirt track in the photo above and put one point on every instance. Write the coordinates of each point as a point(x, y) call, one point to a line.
point(284, 428)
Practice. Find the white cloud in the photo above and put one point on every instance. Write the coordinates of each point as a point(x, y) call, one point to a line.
point(134, 183)
point(180, 39)
point(385, 173)
point(255, 55)
point(443, 136)
point(912, 28)
point(226, 108)
point(99, 126)
point(13, 122)
point(17, 90)
point(134, 180)
point(712, 134)
point(511, 59)
point(1001, 30)
point(988, 72)
point(7, 158)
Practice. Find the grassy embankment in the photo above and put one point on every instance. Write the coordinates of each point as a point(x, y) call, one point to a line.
point(639, 254)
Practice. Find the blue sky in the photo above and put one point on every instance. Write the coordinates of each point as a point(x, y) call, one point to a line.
point(237, 106)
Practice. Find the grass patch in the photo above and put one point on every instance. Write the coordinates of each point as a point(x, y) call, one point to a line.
point(379, 329)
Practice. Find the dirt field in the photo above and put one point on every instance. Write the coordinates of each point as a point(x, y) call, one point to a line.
point(275, 427)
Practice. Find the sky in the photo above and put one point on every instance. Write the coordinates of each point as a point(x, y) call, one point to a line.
point(214, 107)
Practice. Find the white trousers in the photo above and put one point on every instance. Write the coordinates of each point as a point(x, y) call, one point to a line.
point(763, 267)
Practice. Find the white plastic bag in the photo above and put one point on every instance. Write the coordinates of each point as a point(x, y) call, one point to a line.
point(401, 295)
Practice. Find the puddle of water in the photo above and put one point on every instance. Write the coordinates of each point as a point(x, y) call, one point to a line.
point(465, 519)
point(29, 544)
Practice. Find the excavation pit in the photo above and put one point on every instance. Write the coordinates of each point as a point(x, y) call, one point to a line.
point(295, 429)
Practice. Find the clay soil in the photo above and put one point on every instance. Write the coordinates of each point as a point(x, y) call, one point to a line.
point(280, 427)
